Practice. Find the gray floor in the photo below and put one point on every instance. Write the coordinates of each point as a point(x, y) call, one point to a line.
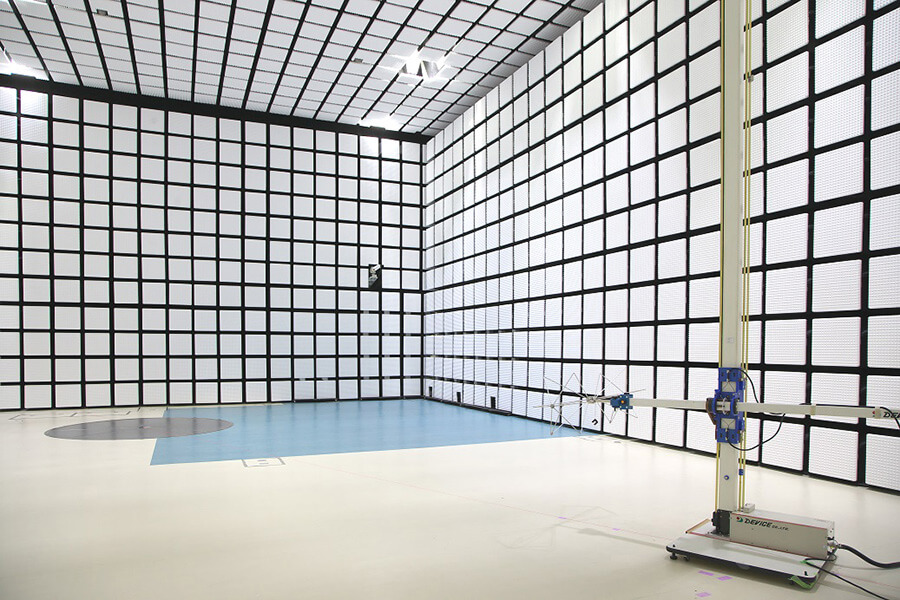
point(565, 518)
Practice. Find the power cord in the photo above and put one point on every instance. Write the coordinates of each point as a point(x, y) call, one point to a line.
point(752, 386)
point(759, 445)
point(832, 558)
point(873, 562)
point(755, 397)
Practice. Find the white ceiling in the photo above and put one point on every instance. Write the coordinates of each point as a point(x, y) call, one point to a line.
point(332, 60)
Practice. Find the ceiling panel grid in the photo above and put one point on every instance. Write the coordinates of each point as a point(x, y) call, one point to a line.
point(330, 60)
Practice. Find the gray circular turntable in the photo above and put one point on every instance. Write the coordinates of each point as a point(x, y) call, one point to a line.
point(138, 429)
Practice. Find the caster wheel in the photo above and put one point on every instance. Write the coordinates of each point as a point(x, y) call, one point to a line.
point(687, 559)
point(673, 556)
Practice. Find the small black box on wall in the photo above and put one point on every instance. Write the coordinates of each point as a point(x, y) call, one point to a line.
point(374, 277)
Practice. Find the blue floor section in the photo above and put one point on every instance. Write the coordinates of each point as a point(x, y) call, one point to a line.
point(299, 429)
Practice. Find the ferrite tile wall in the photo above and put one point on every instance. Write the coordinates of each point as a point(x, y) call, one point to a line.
point(162, 257)
point(572, 222)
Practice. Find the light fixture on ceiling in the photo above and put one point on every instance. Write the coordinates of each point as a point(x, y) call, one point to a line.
point(76, 5)
point(382, 121)
point(425, 68)
point(10, 67)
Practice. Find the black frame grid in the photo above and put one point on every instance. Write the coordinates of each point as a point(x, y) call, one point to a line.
point(521, 285)
point(158, 256)
point(570, 227)
point(328, 61)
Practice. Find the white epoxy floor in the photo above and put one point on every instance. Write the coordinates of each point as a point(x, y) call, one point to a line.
point(565, 518)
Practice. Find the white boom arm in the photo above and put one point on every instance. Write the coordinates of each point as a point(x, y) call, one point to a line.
point(825, 410)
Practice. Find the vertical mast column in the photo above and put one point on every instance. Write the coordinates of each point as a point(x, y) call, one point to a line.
point(730, 293)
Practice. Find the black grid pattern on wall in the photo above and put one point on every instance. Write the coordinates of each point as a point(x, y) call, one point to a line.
point(572, 222)
point(166, 257)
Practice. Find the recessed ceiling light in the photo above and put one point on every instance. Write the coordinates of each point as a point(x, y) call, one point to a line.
point(425, 69)
point(422, 67)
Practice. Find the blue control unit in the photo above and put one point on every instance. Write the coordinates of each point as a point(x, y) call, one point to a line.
point(622, 401)
point(724, 405)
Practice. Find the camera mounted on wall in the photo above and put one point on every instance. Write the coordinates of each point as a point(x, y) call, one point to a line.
point(375, 277)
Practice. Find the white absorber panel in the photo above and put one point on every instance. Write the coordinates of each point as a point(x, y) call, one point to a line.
point(624, 157)
point(833, 453)
point(882, 468)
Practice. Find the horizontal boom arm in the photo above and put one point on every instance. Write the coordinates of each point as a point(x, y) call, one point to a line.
point(825, 410)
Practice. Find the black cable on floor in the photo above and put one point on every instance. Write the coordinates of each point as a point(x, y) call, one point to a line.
point(831, 558)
